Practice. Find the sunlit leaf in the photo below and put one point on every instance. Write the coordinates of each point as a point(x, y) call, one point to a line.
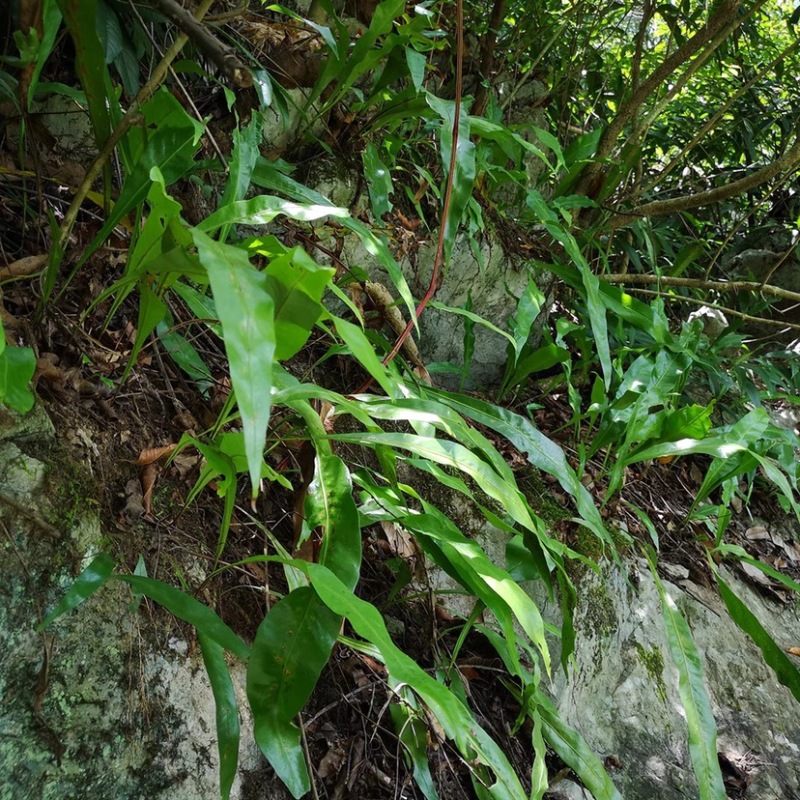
point(246, 311)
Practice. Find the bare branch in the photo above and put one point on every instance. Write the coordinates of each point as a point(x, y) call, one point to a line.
point(788, 161)
point(227, 60)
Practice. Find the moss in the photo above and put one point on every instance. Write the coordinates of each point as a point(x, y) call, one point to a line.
point(653, 662)
point(540, 496)
point(599, 613)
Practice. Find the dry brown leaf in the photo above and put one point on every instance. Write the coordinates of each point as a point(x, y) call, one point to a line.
point(332, 762)
point(401, 542)
point(152, 454)
point(755, 574)
point(149, 475)
point(23, 266)
point(793, 651)
point(757, 533)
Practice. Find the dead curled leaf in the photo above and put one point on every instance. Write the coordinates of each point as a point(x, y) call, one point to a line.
point(149, 475)
point(152, 454)
point(23, 266)
point(793, 651)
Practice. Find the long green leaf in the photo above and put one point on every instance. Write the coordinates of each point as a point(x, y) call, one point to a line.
point(83, 587)
point(541, 452)
point(266, 175)
point(574, 751)
point(457, 722)
point(170, 149)
point(203, 619)
point(776, 659)
point(246, 311)
point(291, 647)
point(330, 503)
point(227, 713)
point(702, 728)
point(456, 455)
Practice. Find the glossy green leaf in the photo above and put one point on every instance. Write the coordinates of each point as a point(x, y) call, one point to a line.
point(364, 353)
point(379, 181)
point(80, 17)
point(17, 365)
point(591, 283)
point(185, 607)
point(459, 457)
point(412, 731)
point(296, 283)
point(246, 311)
point(170, 149)
point(183, 353)
point(200, 304)
point(292, 645)
point(465, 170)
point(541, 452)
point(493, 585)
point(573, 751)
point(785, 671)
point(227, 712)
point(83, 587)
point(262, 209)
point(702, 728)
point(472, 741)
point(240, 169)
point(330, 503)
point(267, 176)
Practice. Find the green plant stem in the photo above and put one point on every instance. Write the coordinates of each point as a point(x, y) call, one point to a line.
point(125, 124)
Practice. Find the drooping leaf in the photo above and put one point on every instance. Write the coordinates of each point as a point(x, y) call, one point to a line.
point(454, 717)
point(775, 658)
point(267, 176)
point(541, 452)
point(379, 181)
point(574, 751)
point(700, 723)
point(330, 504)
point(242, 163)
point(246, 311)
point(291, 647)
point(83, 587)
point(17, 365)
point(227, 713)
point(296, 283)
point(185, 607)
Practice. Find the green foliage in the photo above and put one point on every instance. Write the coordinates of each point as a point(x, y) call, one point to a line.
point(626, 363)
point(17, 365)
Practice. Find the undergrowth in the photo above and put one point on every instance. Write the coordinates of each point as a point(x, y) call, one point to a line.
point(251, 281)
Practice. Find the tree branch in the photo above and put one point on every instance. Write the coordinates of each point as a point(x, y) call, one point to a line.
point(589, 183)
point(788, 161)
point(697, 283)
point(227, 60)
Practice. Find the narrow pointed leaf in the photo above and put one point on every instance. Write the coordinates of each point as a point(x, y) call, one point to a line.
point(700, 723)
point(246, 311)
point(775, 658)
point(185, 607)
point(84, 586)
point(227, 713)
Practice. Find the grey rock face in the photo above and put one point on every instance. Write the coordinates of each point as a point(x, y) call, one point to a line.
point(623, 691)
point(95, 707)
